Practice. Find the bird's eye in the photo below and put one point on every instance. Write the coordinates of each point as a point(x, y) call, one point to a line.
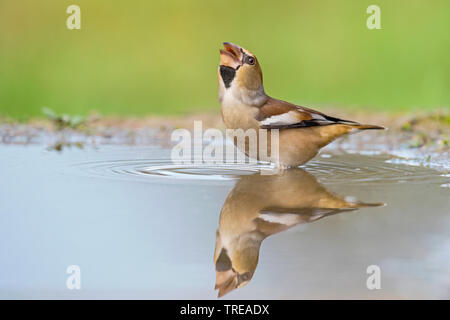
point(250, 60)
point(244, 277)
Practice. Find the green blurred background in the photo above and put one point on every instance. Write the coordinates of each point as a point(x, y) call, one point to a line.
point(160, 57)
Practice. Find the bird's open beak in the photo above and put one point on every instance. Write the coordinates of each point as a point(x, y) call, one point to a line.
point(231, 56)
point(226, 281)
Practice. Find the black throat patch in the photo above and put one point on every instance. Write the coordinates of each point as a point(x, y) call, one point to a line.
point(227, 74)
point(223, 262)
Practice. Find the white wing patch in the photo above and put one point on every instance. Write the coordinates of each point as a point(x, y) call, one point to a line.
point(288, 219)
point(290, 118)
point(281, 119)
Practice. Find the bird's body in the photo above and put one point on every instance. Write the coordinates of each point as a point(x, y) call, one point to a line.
point(245, 105)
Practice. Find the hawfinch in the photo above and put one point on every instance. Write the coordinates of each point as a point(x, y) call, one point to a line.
point(245, 105)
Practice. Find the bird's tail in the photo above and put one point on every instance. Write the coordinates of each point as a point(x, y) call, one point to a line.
point(358, 204)
point(367, 127)
point(331, 132)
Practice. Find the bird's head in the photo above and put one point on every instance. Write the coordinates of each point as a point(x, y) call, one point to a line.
point(235, 266)
point(240, 69)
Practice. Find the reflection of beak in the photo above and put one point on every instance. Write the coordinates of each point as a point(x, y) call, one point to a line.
point(225, 281)
point(231, 56)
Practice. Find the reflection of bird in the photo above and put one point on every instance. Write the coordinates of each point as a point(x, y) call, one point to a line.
point(245, 105)
point(262, 205)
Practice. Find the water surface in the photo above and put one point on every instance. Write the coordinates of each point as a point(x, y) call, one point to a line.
point(140, 227)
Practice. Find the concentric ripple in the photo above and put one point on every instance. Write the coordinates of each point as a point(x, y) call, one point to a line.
point(331, 170)
point(368, 169)
point(151, 168)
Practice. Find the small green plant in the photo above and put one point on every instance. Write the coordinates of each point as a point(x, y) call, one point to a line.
point(60, 145)
point(406, 126)
point(63, 121)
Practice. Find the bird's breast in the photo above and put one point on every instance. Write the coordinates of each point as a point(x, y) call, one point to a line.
point(238, 115)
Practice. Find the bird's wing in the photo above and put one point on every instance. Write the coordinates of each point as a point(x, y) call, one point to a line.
point(277, 114)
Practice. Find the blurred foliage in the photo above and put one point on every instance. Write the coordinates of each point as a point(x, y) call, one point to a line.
point(63, 121)
point(61, 145)
point(160, 57)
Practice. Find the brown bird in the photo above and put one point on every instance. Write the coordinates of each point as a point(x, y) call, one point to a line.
point(245, 105)
point(263, 205)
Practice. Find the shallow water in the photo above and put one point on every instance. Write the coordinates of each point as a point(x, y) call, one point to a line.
point(140, 227)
